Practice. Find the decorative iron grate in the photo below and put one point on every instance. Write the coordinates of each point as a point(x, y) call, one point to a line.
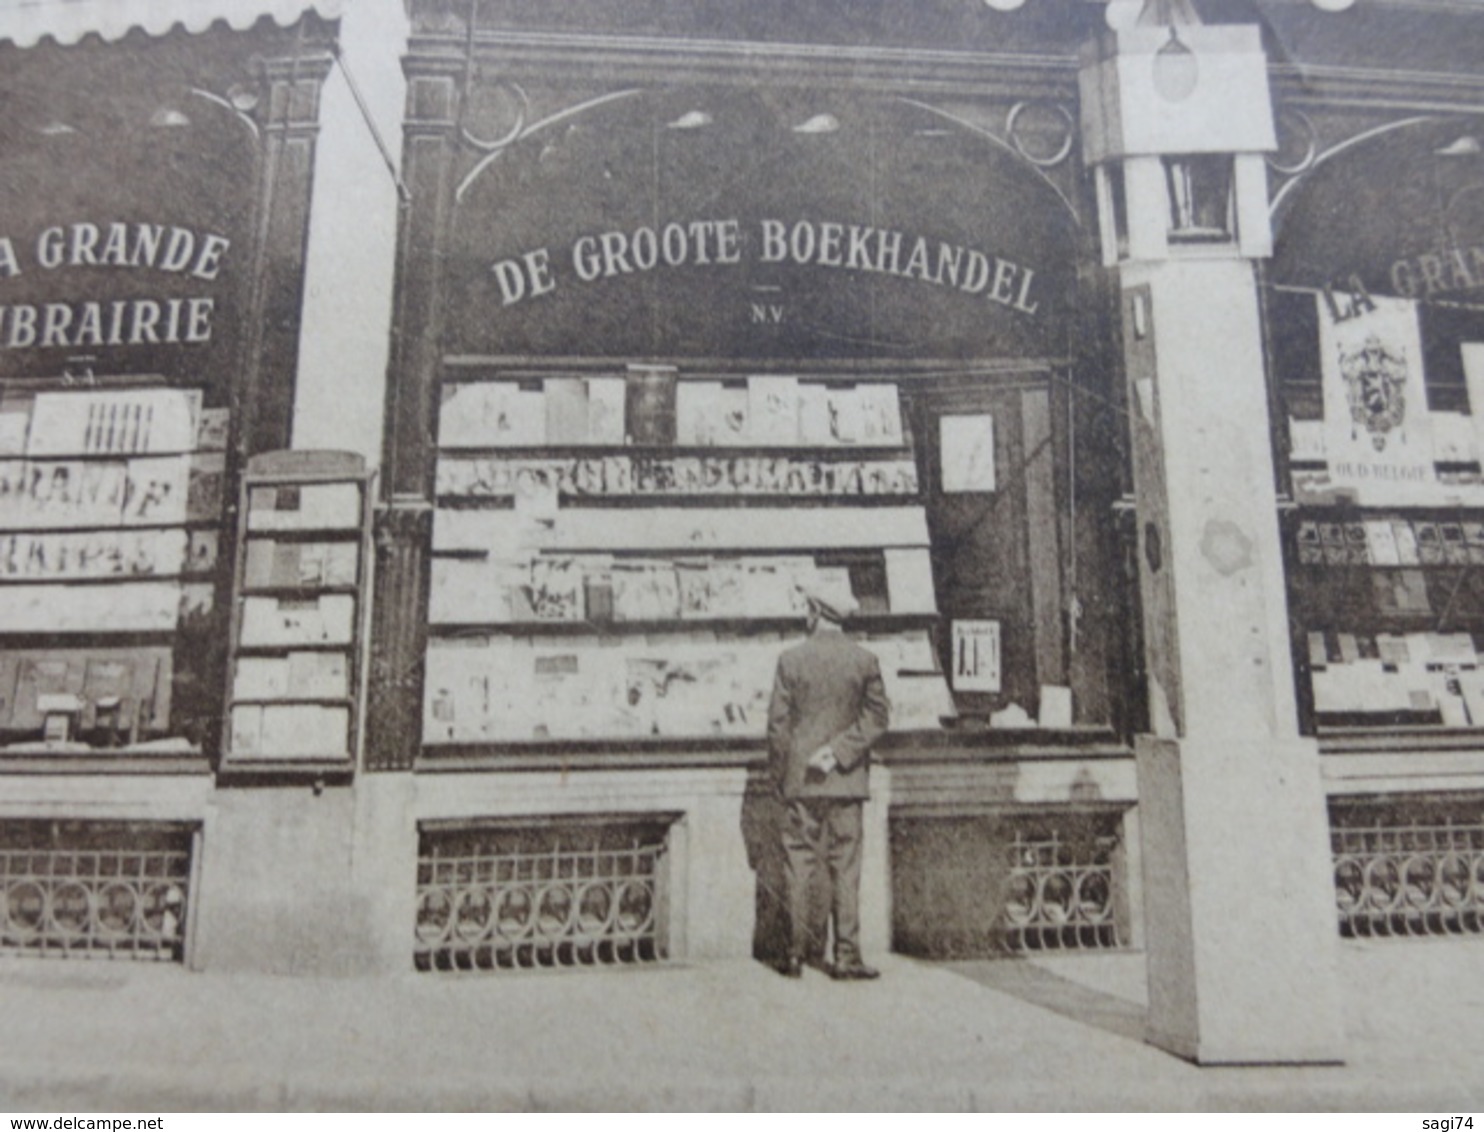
point(94, 890)
point(981, 886)
point(562, 895)
point(1061, 893)
point(1409, 879)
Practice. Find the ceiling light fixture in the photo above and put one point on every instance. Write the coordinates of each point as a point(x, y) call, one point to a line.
point(690, 120)
point(168, 118)
point(1176, 69)
point(819, 124)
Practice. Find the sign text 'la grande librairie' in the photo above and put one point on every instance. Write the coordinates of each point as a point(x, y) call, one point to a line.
point(170, 250)
point(805, 243)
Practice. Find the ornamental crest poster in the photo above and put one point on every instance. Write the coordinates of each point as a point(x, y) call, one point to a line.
point(1378, 440)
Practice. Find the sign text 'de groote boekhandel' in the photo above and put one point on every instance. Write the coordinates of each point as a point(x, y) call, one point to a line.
point(805, 243)
point(170, 250)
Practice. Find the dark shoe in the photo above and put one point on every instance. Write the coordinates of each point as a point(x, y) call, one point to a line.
point(854, 971)
point(792, 968)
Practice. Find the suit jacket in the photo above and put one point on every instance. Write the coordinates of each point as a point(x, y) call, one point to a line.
point(826, 691)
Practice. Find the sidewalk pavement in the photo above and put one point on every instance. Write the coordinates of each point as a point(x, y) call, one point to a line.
point(1060, 1033)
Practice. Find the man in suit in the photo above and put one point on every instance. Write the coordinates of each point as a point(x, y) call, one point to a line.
point(828, 706)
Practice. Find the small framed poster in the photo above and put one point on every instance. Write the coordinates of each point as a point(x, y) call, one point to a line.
point(976, 656)
point(966, 452)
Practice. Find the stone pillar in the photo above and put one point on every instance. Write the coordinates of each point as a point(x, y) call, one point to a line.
point(1239, 905)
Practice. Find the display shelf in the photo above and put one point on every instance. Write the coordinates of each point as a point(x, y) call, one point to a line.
point(616, 560)
point(307, 590)
point(297, 669)
point(866, 623)
point(296, 701)
point(308, 534)
point(841, 453)
point(284, 649)
point(698, 502)
point(111, 505)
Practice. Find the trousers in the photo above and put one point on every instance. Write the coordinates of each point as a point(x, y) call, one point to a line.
point(823, 835)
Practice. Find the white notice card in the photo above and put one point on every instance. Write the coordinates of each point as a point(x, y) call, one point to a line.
point(976, 656)
point(967, 452)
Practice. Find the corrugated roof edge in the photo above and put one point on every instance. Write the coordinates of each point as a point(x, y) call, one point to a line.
point(28, 22)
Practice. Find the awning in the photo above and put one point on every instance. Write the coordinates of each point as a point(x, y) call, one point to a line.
point(25, 22)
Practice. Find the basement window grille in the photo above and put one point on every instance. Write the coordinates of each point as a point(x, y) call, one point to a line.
point(982, 886)
point(87, 890)
point(565, 894)
point(1396, 876)
point(1061, 893)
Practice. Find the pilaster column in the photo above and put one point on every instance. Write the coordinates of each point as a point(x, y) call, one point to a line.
point(1238, 896)
point(399, 633)
point(290, 127)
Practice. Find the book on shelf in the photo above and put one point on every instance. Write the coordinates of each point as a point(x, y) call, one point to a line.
point(1381, 542)
point(1453, 438)
point(698, 413)
point(1407, 551)
point(1310, 548)
point(734, 428)
point(133, 607)
point(206, 486)
point(1471, 688)
point(909, 580)
point(1450, 649)
point(15, 422)
point(1318, 651)
point(773, 410)
point(881, 414)
point(1393, 650)
point(606, 397)
point(693, 576)
point(213, 430)
point(83, 555)
point(1455, 546)
point(319, 675)
point(273, 622)
point(556, 588)
point(197, 599)
point(126, 690)
point(261, 678)
point(478, 414)
point(1473, 536)
point(1306, 439)
point(247, 729)
point(1448, 692)
point(844, 409)
point(1349, 648)
point(1332, 537)
point(645, 590)
point(1429, 543)
point(114, 422)
point(567, 410)
point(537, 493)
point(649, 405)
point(307, 506)
point(304, 731)
point(203, 551)
point(158, 491)
point(814, 415)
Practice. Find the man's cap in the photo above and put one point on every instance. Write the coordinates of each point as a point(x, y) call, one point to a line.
point(832, 602)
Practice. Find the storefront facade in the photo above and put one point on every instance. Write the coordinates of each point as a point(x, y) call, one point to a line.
point(1004, 319)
